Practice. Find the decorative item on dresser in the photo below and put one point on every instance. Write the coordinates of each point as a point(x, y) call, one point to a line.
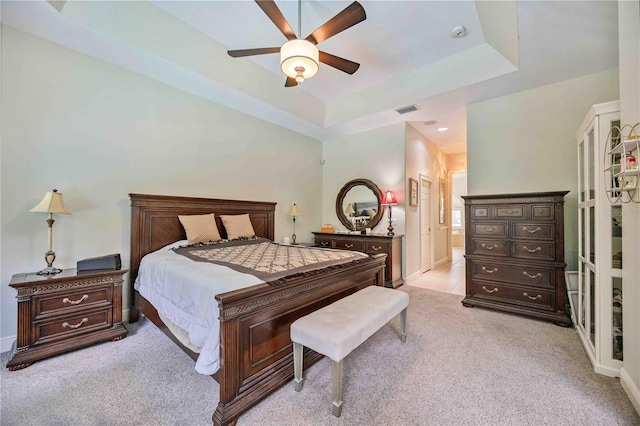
point(515, 254)
point(389, 200)
point(68, 311)
point(370, 244)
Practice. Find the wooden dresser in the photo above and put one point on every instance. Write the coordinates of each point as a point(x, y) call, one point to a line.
point(66, 311)
point(514, 250)
point(370, 244)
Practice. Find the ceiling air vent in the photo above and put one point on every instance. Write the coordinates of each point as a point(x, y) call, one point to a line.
point(407, 109)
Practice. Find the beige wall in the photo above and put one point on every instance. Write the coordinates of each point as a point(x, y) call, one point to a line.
point(629, 40)
point(96, 133)
point(424, 158)
point(525, 142)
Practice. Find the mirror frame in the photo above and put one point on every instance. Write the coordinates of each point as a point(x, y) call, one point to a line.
point(340, 199)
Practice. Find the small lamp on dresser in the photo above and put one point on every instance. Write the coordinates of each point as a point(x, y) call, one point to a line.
point(349, 211)
point(51, 203)
point(293, 213)
point(389, 200)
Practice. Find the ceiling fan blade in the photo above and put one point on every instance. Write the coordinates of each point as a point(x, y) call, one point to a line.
point(351, 15)
point(250, 52)
point(339, 63)
point(270, 8)
point(290, 82)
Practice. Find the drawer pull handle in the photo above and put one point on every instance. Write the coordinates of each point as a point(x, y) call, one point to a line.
point(348, 245)
point(376, 248)
point(531, 251)
point(524, 228)
point(324, 243)
point(532, 298)
point(490, 291)
point(531, 276)
point(493, 228)
point(75, 302)
point(510, 211)
point(484, 268)
point(489, 248)
point(66, 324)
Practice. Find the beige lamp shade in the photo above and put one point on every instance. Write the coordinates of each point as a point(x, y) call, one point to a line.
point(51, 203)
point(294, 211)
point(349, 209)
point(299, 59)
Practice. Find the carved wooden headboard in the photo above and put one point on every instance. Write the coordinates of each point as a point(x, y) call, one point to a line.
point(155, 223)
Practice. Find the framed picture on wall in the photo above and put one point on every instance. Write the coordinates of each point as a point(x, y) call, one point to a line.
point(413, 192)
point(442, 184)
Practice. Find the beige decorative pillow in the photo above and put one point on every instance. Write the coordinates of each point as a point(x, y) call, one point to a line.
point(238, 226)
point(200, 228)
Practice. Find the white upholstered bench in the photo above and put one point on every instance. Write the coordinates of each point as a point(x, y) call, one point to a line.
point(337, 329)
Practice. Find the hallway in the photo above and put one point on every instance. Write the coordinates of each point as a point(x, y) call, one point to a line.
point(447, 278)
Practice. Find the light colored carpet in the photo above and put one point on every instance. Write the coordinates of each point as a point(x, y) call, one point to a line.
point(459, 366)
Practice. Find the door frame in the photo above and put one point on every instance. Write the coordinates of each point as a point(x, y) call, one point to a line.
point(423, 178)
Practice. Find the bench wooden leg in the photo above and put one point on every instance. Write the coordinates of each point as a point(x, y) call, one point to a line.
point(298, 361)
point(336, 375)
point(403, 325)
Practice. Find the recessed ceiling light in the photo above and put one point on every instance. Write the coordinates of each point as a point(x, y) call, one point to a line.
point(442, 129)
point(430, 122)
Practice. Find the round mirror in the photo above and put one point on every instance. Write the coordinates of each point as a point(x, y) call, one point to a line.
point(359, 204)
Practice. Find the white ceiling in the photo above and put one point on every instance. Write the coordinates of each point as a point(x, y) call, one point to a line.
point(406, 53)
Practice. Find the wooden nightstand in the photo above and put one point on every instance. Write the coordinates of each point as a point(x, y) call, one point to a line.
point(66, 311)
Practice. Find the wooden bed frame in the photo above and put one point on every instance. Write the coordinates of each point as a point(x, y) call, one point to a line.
point(256, 355)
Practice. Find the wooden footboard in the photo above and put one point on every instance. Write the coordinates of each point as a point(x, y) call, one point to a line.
point(256, 352)
point(256, 349)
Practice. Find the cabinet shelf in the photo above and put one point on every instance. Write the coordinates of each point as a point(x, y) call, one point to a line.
point(626, 145)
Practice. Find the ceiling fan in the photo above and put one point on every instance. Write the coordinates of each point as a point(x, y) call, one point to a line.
point(299, 57)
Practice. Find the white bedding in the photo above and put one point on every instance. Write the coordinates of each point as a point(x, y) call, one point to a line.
point(183, 291)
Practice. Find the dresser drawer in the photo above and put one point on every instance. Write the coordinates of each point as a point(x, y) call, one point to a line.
point(514, 274)
point(490, 247)
point(480, 212)
point(326, 243)
point(533, 230)
point(541, 212)
point(61, 303)
point(375, 248)
point(489, 229)
point(69, 326)
point(348, 245)
point(510, 211)
point(533, 250)
point(519, 295)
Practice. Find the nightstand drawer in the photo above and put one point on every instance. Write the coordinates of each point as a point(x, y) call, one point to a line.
point(65, 327)
point(323, 243)
point(519, 295)
point(66, 302)
point(348, 245)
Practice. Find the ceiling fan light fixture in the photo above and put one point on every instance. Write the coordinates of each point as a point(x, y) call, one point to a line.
point(299, 59)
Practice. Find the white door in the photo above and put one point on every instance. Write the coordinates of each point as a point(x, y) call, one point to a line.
point(425, 225)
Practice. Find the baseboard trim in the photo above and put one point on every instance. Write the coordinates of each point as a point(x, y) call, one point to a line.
point(413, 277)
point(630, 388)
point(6, 343)
point(440, 262)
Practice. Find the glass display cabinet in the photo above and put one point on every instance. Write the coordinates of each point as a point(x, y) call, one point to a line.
point(600, 295)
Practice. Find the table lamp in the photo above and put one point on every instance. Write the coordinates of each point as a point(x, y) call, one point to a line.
point(293, 213)
point(51, 203)
point(389, 200)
